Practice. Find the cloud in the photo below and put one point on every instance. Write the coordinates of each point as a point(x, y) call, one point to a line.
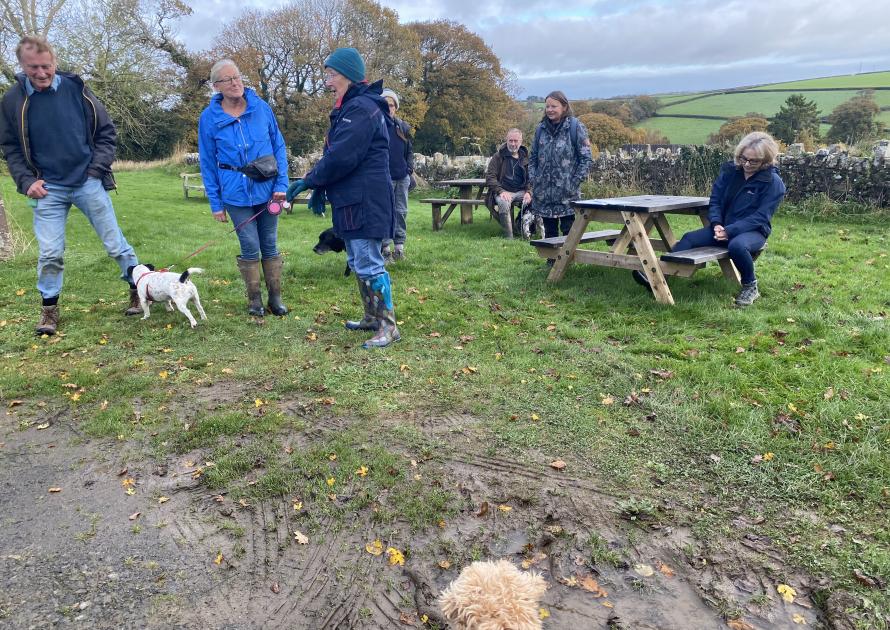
point(609, 47)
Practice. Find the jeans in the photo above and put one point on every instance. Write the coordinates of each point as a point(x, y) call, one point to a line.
point(740, 248)
point(364, 258)
point(50, 216)
point(400, 191)
point(552, 225)
point(505, 207)
point(259, 236)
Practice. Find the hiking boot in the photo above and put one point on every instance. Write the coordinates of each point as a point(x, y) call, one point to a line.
point(641, 279)
point(134, 307)
point(399, 251)
point(748, 294)
point(49, 320)
point(386, 252)
point(272, 274)
point(250, 273)
point(369, 321)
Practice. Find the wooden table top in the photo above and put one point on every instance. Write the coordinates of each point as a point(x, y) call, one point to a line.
point(461, 182)
point(648, 204)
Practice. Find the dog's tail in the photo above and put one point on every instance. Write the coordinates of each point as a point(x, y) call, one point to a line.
point(185, 274)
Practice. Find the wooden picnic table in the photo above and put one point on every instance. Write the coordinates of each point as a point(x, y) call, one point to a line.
point(470, 193)
point(632, 247)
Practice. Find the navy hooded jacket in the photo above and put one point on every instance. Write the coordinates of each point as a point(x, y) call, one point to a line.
point(752, 207)
point(354, 169)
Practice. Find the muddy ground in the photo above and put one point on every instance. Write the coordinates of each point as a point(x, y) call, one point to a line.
point(91, 556)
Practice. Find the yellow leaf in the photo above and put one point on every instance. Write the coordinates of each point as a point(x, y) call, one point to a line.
point(799, 619)
point(424, 618)
point(608, 400)
point(332, 457)
point(55, 489)
point(227, 371)
point(163, 374)
point(298, 505)
point(129, 481)
point(404, 368)
point(131, 491)
point(738, 624)
point(362, 471)
point(543, 613)
point(45, 425)
point(219, 558)
point(395, 557)
point(104, 405)
point(768, 456)
point(20, 292)
point(787, 592)
point(75, 396)
point(504, 508)
point(374, 548)
point(258, 402)
point(535, 417)
point(791, 407)
point(163, 499)
point(103, 341)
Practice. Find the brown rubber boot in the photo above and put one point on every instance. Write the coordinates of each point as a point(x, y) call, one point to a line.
point(506, 221)
point(272, 274)
point(250, 273)
point(49, 320)
point(134, 308)
point(369, 321)
point(380, 289)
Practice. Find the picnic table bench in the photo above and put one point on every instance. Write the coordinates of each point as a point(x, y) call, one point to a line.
point(470, 194)
point(192, 182)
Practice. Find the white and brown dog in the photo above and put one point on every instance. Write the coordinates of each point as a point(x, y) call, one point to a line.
point(493, 596)
point(166, 286)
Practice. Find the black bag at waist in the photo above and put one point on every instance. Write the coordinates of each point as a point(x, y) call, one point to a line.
point(261, 169)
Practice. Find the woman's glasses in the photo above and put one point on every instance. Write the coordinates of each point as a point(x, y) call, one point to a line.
point(751, 161)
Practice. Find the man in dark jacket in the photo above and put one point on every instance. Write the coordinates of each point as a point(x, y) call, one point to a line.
point(401, 166)
point(59, 143)
point(354, 174)
point(507, 180)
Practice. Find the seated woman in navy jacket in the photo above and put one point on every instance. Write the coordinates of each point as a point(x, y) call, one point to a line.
point(744, 198)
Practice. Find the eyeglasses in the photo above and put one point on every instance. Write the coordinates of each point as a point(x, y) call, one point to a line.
point(330, 74)
point(227, 82)
point(751, 161)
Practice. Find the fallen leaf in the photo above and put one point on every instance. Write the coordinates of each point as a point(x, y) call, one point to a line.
point(787, 592)
point(799, 619)
point(163, 374)
point(483, 509)
point(558, 464)
point(14, 403)
point(591, 585)
point(543, 613)
point(130, 491)
point(406, 619)
point(404, 368)
point(219, 558)
point(55, 489)
point(128, 482)
point(275, 588)
point(738, 624)
point(535, 417)
point(666, 570)
point(362, 471)
point(300, 537)
point(163, 499)
point(395, 556)
point(331, 481)
point(258, 402)
point(298, 505)
point(45, 425)
point(608, 400)
point(644, 569)
point(504, 508)
point(374, 548)
point(444, 564)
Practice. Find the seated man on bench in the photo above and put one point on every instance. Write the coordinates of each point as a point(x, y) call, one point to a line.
point(744, 198)
point(507, 180)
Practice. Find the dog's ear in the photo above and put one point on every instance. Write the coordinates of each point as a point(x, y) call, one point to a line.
point(130, 271)
point(150, 266)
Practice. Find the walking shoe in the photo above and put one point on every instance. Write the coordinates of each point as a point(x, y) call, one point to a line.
point(49, 320)
point(134, 308)
point(641, 279)
point(386, 252)
point(399, 252)
point(748, 294)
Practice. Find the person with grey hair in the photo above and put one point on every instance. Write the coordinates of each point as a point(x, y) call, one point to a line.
point(401, 169)
point(744, 198)
point(507, 180)
point(244, 167)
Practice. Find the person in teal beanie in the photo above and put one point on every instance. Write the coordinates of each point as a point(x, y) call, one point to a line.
point(353, 174)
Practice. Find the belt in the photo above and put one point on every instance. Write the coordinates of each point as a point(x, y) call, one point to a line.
point(228, 167)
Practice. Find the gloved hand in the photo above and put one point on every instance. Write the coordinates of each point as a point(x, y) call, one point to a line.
point(316, 201)
point(295, 189)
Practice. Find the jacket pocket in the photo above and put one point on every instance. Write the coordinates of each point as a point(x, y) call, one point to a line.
point(351, 218)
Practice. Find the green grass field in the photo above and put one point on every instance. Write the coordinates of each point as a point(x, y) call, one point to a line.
point(767, 103)
point(682, 130)
point(779, 412)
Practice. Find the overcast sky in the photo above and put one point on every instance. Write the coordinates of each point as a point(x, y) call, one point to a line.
point(607, 48)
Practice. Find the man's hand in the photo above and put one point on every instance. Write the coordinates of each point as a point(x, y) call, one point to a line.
point(220, 216)
point(526, 199)
point(37, 190)
point(295, 189)
point(506, 196)
point(720, 233)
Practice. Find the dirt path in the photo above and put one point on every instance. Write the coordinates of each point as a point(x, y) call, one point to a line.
point(83, 556)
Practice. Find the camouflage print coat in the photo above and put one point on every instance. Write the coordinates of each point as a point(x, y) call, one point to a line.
point(556, 169)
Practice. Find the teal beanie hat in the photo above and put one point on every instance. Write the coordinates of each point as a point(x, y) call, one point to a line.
point(348, 62)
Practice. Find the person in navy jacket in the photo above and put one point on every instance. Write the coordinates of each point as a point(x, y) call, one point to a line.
point(235, 129)
point(354, 175)
point(744, 198)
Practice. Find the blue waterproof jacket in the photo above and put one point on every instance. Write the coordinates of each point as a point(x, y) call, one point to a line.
point(223, 139)
point(354, 169)
point(752, 207)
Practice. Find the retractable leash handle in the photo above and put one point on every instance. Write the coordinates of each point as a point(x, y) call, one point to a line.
point(275, 207)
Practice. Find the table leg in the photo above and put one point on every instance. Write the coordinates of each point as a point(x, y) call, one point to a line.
point(466, 210)
point(726, 266)
point(665, 231)
point(566, 253)
point(640, 237)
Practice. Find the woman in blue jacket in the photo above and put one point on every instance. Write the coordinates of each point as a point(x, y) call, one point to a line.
point(744, 198)
point(235, 129)
point(354, 174)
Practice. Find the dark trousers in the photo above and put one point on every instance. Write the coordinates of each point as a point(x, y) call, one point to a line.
point(553, 225)
point(740, 248)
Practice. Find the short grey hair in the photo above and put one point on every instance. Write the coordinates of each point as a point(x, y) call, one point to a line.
point(513, 130)
point(218, 67)
point(762, 144)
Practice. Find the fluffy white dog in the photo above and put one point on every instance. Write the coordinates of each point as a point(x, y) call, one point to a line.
point(166, 286)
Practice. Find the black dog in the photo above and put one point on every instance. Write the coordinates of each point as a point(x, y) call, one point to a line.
point(328, 241)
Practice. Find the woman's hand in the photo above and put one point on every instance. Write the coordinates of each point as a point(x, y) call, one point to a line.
point(278, 196)
point(220, 216)
point(720, 233)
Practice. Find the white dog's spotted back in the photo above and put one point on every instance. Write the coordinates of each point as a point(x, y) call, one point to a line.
point(167, 286)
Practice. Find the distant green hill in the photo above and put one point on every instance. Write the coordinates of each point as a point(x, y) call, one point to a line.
point(690, 118)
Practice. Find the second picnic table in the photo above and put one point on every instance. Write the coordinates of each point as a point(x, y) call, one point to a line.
point(631, 246)
point(470, 193)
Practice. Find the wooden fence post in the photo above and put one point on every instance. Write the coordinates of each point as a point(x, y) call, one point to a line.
point(5, 236)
